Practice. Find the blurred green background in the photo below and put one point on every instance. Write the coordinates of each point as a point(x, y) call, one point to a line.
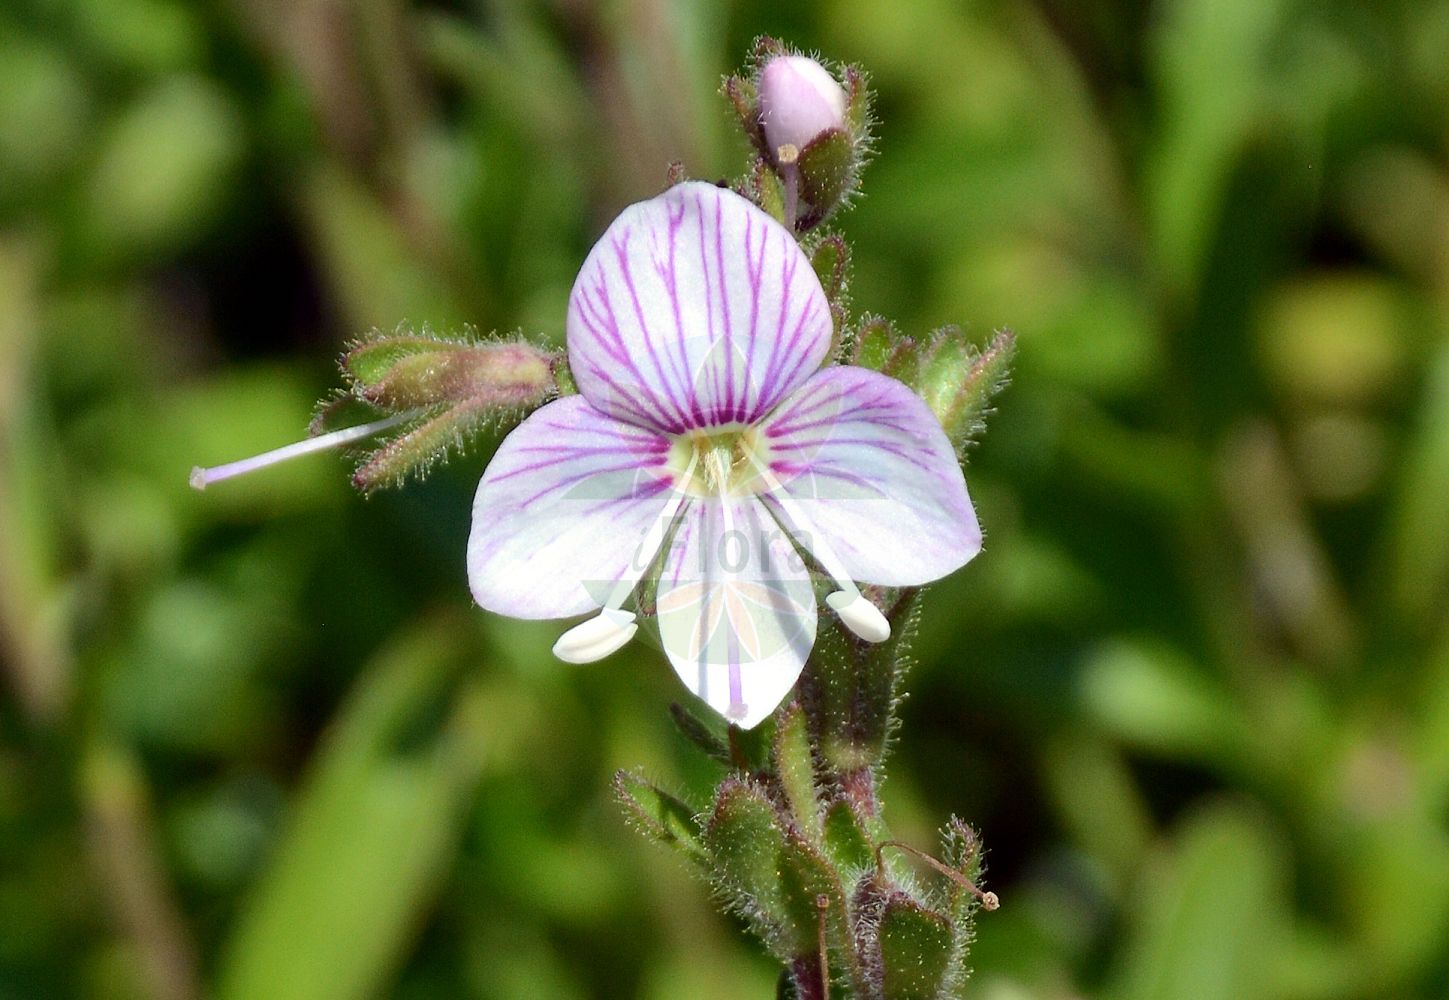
point(255, 743)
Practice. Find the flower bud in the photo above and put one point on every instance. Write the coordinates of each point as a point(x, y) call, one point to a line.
point(799, 100)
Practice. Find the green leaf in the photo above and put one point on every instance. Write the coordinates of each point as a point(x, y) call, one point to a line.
point(1211, 66)
point(796, 771)
point(916, 947)
point(1150, 695)
point(372, 835)
point(659, 814)
point(1207, 922)
point(1419, 529)
point(164, 167)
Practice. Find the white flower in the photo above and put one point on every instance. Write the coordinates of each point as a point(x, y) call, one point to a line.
point(708, 442)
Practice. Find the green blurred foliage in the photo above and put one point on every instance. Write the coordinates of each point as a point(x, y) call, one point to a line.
point(1195, 693)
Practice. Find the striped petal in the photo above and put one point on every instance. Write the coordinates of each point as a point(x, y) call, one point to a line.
point(871, 473)
point(562, 509)
point(736, 608)
point(695, 309)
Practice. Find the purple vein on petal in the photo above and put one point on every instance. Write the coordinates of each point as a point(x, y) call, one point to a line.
point(755, 266)
point(725, 309)
point(561, 484)
point(602, 322)
point(712, 390)
point(798, 358)
point(604, 325)
point(621, 256)
point(669, 275)
point(772, 367)
point(791, 474)
point(632, 465)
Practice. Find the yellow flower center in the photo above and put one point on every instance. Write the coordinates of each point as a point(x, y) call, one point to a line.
point(720, 461)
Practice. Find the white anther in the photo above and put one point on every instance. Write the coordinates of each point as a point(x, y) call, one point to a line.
point(612, 627)
point(859, 615)
point(596, 638)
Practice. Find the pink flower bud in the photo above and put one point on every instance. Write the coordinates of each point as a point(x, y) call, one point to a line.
point(799, 99)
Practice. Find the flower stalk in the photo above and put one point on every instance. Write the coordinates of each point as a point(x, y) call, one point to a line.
point(796, 844)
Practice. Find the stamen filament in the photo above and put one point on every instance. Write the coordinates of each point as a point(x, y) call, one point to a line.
point(653, 539)
point(738, 709)
point(855, 612)
point(202, 478)
point(607, 631)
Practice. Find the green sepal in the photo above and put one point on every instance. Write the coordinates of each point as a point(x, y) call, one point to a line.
point(958, 382)
point(858, 118)
point(744, 99)
point(827, 171)
point(563, 376)
point(340, 411)
point(424, 378)
point(844, 840)
point(699, 732)
point(806, 880)
point(849, 688)
point(444, 389)
point(659, 814)
point(830, 257)
point(878, 345)
point(754, 745)
point(795, 771)
point(904, 362)
point(916, 948)
point(872, 342)
point(416, 451)
point(743, 836)
point(961, 850)
point(766, 190)
point(368, 361)
point(502, 373)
